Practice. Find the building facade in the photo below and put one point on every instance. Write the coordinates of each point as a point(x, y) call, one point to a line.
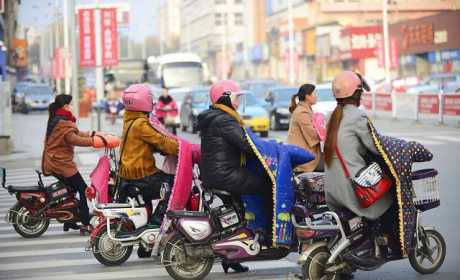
point(213, 29)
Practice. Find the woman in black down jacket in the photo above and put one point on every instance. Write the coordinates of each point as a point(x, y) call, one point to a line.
point(224, 148)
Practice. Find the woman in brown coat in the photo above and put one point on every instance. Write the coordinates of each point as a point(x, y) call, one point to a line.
point(301, 131)
point(62, 135)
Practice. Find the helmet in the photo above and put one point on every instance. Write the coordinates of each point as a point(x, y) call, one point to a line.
point(138, 97)
point(224, 86)
point(346, 83)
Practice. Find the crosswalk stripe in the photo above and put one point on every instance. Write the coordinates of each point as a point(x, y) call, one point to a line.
point(424, 141)
point(54, 234)
point(42, 241)
point(446, 138)
point(4, 226)
point(43, 252)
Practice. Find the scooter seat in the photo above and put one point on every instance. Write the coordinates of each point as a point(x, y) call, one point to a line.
point(180, 214)
point(221, 192)
point(113, 205)
point(14, 189)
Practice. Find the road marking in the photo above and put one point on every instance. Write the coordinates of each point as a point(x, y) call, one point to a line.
point(446, 138)
point(60, 233)
point(41, 252)
point(42, 241)
point(424, 141)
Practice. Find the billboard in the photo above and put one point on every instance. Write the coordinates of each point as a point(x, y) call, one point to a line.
point(109, 36)
point(19, 52)
point(87, 38)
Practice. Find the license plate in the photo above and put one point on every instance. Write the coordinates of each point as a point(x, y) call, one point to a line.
point(284, 121)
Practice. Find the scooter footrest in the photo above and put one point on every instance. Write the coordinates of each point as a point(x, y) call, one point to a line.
point(124, 234)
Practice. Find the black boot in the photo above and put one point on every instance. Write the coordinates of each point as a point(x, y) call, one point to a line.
point(70, 225)
point(237, 267)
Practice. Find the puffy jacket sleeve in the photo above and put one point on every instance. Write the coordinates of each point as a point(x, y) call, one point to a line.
point(364, 134)
point(164, 144)
point(234, 134)
point(74, 139)
point(309, 133)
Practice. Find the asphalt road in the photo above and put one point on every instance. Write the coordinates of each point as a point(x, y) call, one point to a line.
point(60, 255)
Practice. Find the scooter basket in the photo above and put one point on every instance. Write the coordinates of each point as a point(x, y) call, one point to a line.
point(426, 189)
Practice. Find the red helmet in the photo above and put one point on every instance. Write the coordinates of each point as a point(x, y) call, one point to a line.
point(225, 86)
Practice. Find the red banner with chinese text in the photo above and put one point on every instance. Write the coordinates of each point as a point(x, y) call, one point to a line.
point(109, 36)
point(87, 38)
point(428, 104)
point(452, 104)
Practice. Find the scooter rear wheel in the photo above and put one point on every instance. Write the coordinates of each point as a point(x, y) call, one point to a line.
point(315, 266)
point(430, 253)
point(182, 267)
point(26, 225)
point(109, 252)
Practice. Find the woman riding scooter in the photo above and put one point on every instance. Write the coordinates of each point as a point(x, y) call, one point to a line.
point(224, 149)
point(139, 143)
point(62, 135)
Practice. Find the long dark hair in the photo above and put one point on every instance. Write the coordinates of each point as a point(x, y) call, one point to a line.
point(59, 101)
point(334, 124)
point(304, 90)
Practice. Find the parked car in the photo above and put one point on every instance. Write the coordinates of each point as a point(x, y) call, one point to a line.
point(195, 102)
point(278, 100)
point(325, 102)
point(18, 97)
point(398, 85)
point(38, 96)
point(253, 112)
point(444, 83)
point(259, 87)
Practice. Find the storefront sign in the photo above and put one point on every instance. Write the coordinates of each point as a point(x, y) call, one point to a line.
point(109, 36)
point(87, 38)
point(428, 104)
point(452, 105)
point(20, 52)
point(394, 59)
point(442, 56)
point(360, 42)
point(417, 34)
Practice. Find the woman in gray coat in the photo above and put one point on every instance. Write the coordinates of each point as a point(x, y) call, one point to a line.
point(348, 130)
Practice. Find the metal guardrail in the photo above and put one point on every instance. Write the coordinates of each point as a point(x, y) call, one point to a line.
point(414, 106)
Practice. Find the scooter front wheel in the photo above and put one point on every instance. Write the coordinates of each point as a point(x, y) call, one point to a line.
point(27, 225)
point(179, 265)
point(109, 252)
point(430, 253)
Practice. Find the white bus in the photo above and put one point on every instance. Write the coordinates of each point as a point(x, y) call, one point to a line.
point(176, 70)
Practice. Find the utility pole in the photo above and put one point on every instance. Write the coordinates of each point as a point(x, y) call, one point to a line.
point(98, 41)
point(386, 43)
point(66, 47)
point(224, 61)
point(73, 47)
point(56, 37)
point(247, 34)
point(291, 42)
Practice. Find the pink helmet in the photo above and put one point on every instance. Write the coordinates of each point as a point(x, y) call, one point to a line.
point(221, 87)
point(345, 84)
point(138, 97)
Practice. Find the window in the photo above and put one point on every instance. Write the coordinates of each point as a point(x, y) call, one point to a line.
point(238, 1)
point(218, 2)
point(220, 19)
point(239, 19)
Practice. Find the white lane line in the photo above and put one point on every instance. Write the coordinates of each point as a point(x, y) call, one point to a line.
point(26, 242)
point(4, 226)
point(446, 138)
point(141, 272)
point(425, 141)
point(47, 233)
point(53, 252)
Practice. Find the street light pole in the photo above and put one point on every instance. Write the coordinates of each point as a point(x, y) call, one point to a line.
point(291, 42)
point(66, 48)
point(99, 68)
point(386, 44)
point(56, 37)
point(73, 47)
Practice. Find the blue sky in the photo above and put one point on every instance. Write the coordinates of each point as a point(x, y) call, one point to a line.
point(38, 13)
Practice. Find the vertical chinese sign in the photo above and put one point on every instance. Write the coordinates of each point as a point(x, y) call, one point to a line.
point(109, 36)
point(87, 38)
